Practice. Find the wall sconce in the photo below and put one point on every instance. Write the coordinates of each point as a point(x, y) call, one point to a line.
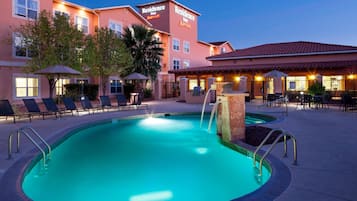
point(351, 77)
point(237, 78)
point(258, 78)
point(312, 77)
point(219, 79)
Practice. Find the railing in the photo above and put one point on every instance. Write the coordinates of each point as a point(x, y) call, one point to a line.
point(283, 134)
point(27, 131)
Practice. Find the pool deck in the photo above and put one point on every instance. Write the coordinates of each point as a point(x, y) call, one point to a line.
point(327, 145)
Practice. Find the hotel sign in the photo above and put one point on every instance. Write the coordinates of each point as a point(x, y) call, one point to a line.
point(186, 15)
point(152, 10)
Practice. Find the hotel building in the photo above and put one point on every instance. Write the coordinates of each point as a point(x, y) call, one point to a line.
point(334, 66)
point(175, 23)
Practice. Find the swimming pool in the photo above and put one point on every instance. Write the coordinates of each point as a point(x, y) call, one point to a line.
point(160, 158)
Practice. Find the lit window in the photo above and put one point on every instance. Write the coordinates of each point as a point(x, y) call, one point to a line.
point(115, 86)
point(297, 83)
point(176, 64)
point(116, 27)
point(82, 81)
point(26, 87)
point(20, 47)
point(186, 47)
point(202, 84)
point(60, 89)
point(194, 83)
point(186, 64)
point(333, 83)
point(176, 44)
point(26, 8)
point(82, 24)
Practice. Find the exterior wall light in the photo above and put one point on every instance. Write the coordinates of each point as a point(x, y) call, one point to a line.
point(258, 78)
point(219, 79)
point(351, 77)
point(312, 77)
point(237, 78)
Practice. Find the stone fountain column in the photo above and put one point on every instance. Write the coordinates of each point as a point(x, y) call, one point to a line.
point(230, 113)
point(233, 116)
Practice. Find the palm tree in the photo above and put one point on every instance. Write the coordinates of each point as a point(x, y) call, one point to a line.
point(145, 50)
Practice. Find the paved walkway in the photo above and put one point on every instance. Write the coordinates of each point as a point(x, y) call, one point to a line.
point(327, 146)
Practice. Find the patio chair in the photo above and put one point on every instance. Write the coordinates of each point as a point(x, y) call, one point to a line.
point(51, 106)
point(105, 102)
point(7, 111)
point(87, 105)
point(347, 102)
point(70, 105)
point(33, 108)
point(121, 99)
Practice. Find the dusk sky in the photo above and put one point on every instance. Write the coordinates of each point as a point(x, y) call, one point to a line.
point(256, 22)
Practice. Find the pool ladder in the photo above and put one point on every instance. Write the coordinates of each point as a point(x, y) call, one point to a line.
point(284, 134)
point(30, 133)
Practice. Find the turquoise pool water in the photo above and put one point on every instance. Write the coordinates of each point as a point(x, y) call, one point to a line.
point(151, 159)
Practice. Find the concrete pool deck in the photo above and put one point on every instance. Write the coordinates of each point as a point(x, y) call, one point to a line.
point(327, 151)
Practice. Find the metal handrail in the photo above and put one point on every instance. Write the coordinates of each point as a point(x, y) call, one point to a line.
point(23, 131)
point(284, 134)
point(265, 139)
point(39, 137)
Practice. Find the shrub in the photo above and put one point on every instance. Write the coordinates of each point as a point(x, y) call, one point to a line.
point(316, 88)
point(128, 88)
point(147, 93)
point(75, 91)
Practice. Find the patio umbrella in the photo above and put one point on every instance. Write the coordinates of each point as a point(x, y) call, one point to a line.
point(54, 73)
point(275, 74)
point(136, 76)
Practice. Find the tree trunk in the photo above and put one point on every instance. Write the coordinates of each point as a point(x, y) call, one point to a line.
point(52, 85)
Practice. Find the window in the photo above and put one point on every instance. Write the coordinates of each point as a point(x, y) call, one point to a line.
point(186, 64)
point(176, 44)
point(115, 86)
point(333, 83)
point(57, 13)
point(82, 24)
point(116, 27)
point(186, 47)
point(60, 89)
point(26, 8)
point(19, 46)
point(26, 87)
point(297, 83)
point(176, 63)
point(82, 81)
point(194, 83)
point(223, 50)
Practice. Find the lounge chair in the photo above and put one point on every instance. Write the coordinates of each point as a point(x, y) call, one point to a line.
point(7, 111)
point(121, 99)
point(105, 102)
point(87, 105)
point(51, 106)
point(70, 105)
point(32, 107)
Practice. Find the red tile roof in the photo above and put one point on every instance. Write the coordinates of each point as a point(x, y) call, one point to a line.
point(266, 67)
point(284, 49)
